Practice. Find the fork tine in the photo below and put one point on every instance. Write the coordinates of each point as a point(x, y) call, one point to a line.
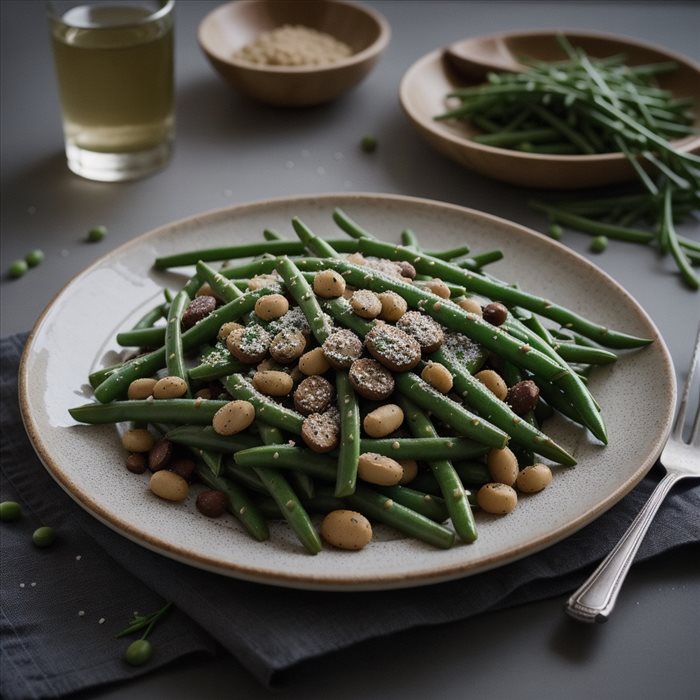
point(682, 406)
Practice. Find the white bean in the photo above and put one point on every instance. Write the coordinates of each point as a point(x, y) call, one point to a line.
point(383, 420)
point(498, 499)
point(346, 529)
point(233, 417)
point(169, 485)
point(503, 465)
point(534, 478)
point(380, 470)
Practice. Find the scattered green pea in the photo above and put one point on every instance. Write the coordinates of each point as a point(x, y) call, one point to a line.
point(17, 268)
point(368, 143)
point(555, 232)
point(34, 257)
point(138, 652)
point(10, 510)
point(44, 536)
point(599, 244)
point(96, 234)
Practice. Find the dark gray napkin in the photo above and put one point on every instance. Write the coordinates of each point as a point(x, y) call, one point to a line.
point(49, 649)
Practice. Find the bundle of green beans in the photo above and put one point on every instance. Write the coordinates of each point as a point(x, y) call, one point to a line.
point(266, 471)
point(586, 105)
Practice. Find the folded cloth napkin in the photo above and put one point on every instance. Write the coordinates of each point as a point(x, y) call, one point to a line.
point(63, 605)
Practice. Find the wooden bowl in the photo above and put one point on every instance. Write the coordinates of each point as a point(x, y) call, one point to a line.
point(425, 84)
point(230, 27)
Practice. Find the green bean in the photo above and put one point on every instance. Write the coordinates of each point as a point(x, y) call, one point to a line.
point(424, 447)
point(446, 313)
point(469, 473)
point(312, 243)
point(272, 235)
point(580, 223)
point(302, 482)
point(426, 504)
point(450, 485)
point(669, 232)
point(291, 508)
point(349, 451)
point(98, 376)
point(323, 504)
point(319, 466)
point(151, 317)
point(304, 296)
point(572, 352)
point(579, 396)
point(476, 262)
point(346, 224)
point(497, 290)
point(288, 502)
point(485, 403)
point(117, 383)
point(240, 504)
point(193, 411)
point(450, 412)
point(244, 250)
point(378, 507)
point(225, 289)
point(207, 439)
point(210, 369)
point(245, 476)
point(266, 409)
point(147, 337)
point(409, 239)
point(174, 358)
point(511, 138)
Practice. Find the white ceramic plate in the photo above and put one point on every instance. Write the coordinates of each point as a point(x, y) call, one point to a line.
point(75, 336)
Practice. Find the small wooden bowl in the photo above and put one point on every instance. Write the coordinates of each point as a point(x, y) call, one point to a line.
point(425, 84)
point(229, 28)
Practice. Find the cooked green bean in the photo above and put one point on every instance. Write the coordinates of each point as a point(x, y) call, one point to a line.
point(349, 451)
point(240, 505)
point(117, 383)
point(192, 411)
point(207, 439)
point(486, 404)
point(288, 502)
point(480, 284)
point(174, 358)
point(210, 369)
point(425, 447)
point(385, 510)
point(450, 485)
point(225, 289)
point(266, 409)
point(145, 337)
point(300, 290)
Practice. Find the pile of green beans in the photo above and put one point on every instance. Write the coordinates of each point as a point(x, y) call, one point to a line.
point(583, 106)
point(266, 473)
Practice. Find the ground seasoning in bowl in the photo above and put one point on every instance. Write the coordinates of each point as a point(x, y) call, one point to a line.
point(294, 45)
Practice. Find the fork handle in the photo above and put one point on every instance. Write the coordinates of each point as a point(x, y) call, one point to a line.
point(595, 599)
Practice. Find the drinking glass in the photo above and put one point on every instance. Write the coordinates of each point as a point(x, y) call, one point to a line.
point(114, 64)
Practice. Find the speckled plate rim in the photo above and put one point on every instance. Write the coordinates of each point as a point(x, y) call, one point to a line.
point(690, 143)
point(424, 575)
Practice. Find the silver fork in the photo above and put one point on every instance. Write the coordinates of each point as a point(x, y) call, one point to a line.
point(595, 599)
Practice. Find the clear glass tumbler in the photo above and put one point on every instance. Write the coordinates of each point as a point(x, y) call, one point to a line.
point(114, 64)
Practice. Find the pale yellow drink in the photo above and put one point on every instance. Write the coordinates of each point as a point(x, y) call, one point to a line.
point(115, 73)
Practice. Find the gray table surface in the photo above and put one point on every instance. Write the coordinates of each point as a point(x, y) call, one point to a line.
point(229, 150)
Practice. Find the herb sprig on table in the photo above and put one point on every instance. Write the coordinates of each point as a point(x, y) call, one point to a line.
point(587, 105)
